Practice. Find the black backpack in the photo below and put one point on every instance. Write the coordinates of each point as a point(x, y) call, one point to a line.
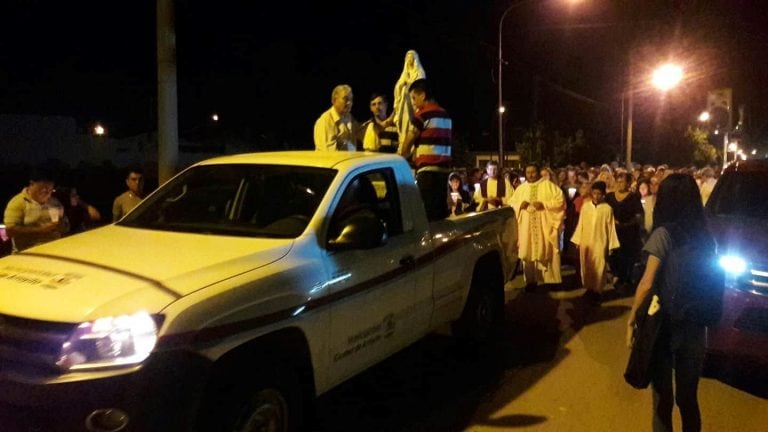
point(692, 281)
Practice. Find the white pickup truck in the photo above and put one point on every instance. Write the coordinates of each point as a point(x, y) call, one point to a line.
point(240, 290)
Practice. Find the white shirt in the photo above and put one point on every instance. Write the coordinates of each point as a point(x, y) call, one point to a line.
point(334, 132)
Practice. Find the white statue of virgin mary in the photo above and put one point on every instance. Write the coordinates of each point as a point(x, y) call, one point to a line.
point(403, 110)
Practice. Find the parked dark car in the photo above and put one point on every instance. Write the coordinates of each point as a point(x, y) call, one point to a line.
point(737, 212)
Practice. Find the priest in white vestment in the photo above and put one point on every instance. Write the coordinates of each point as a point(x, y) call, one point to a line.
point(540, 210)
point(595, 236)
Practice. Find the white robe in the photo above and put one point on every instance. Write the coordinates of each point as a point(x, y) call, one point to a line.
point(539, 231)
point(595, 235)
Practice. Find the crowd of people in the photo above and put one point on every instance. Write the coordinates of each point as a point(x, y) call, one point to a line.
point(583, 208)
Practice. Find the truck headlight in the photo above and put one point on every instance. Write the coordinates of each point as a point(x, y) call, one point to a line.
point(110, 341)
point(733, 265)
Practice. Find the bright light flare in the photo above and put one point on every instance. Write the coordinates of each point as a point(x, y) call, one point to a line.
point(733, 264)
point(667, 76)
point(502, 109)
point(215, 117)
point(99, 130)
point(733, 147)
point(704, 116)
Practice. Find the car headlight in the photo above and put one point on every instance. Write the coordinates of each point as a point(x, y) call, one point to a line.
point(110, 341)
point(733, 265)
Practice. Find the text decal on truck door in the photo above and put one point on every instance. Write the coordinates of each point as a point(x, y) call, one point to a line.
point(368, 337)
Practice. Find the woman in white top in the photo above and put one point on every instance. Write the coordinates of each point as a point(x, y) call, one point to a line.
point(648, 200)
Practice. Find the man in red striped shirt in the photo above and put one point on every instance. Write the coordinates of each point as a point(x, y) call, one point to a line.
point(430, 133)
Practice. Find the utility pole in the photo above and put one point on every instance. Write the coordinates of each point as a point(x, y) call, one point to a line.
point(535, 116)
point(167, 100)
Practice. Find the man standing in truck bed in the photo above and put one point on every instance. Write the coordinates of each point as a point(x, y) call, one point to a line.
point(431, 130)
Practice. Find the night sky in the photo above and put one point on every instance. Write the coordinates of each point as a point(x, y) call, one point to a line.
point(268, 68)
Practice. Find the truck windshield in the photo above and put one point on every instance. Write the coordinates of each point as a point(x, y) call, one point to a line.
point(741, 194)
point(273, 201)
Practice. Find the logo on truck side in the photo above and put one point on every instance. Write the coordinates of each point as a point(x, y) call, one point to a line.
point(367, 337)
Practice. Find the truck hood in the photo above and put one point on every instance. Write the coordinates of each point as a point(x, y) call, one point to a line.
point(745, 237)
point(117, 270)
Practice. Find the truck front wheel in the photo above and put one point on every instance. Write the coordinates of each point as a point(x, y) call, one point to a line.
point(266, 411)
point(274, 404)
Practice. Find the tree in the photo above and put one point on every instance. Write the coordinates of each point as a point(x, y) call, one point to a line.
point(702, 152)
point(532, 148)
point(542, 145)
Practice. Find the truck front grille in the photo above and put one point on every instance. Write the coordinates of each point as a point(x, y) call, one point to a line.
point(757, 278)
point(31, 343)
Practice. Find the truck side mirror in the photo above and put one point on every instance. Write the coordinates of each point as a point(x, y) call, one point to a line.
point(361, 230)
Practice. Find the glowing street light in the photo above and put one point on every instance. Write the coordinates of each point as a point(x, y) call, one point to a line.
point(502, 109)
point(704, 116)
point(99, 130)
point(215, 117)
point(667, 76)
point(732, 147)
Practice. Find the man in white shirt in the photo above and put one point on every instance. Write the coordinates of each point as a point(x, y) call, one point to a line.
point(336, 129)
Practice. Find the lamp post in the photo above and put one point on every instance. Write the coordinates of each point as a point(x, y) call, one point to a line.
point(664, 78)
point(500, 105)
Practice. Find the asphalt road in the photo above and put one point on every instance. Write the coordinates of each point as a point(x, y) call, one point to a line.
point(558, 368)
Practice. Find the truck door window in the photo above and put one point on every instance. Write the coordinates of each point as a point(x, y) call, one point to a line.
point(236, 199)
point(374, 189)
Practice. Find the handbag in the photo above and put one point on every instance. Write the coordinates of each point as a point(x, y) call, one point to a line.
point(645, 333)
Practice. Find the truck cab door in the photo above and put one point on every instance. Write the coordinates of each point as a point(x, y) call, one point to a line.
point(372, 284)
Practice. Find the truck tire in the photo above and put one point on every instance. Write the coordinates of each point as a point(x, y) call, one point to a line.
point(483, 316)
point(274, 403)
point(269, 400)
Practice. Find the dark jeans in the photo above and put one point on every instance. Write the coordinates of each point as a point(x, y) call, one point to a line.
point(679, 351)
point(622, 260)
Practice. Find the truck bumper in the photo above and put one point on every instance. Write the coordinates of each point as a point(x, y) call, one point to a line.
point(162, 394)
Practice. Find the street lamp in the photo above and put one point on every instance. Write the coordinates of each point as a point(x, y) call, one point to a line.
point(704, 116)
point(99, 130)
point(501, 68)
point(664, 78)
point(667, 76)
point(500, 105)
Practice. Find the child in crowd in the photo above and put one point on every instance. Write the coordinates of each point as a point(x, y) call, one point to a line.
point(595, 236)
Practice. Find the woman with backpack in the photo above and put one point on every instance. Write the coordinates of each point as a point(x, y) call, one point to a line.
point(678, 226)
